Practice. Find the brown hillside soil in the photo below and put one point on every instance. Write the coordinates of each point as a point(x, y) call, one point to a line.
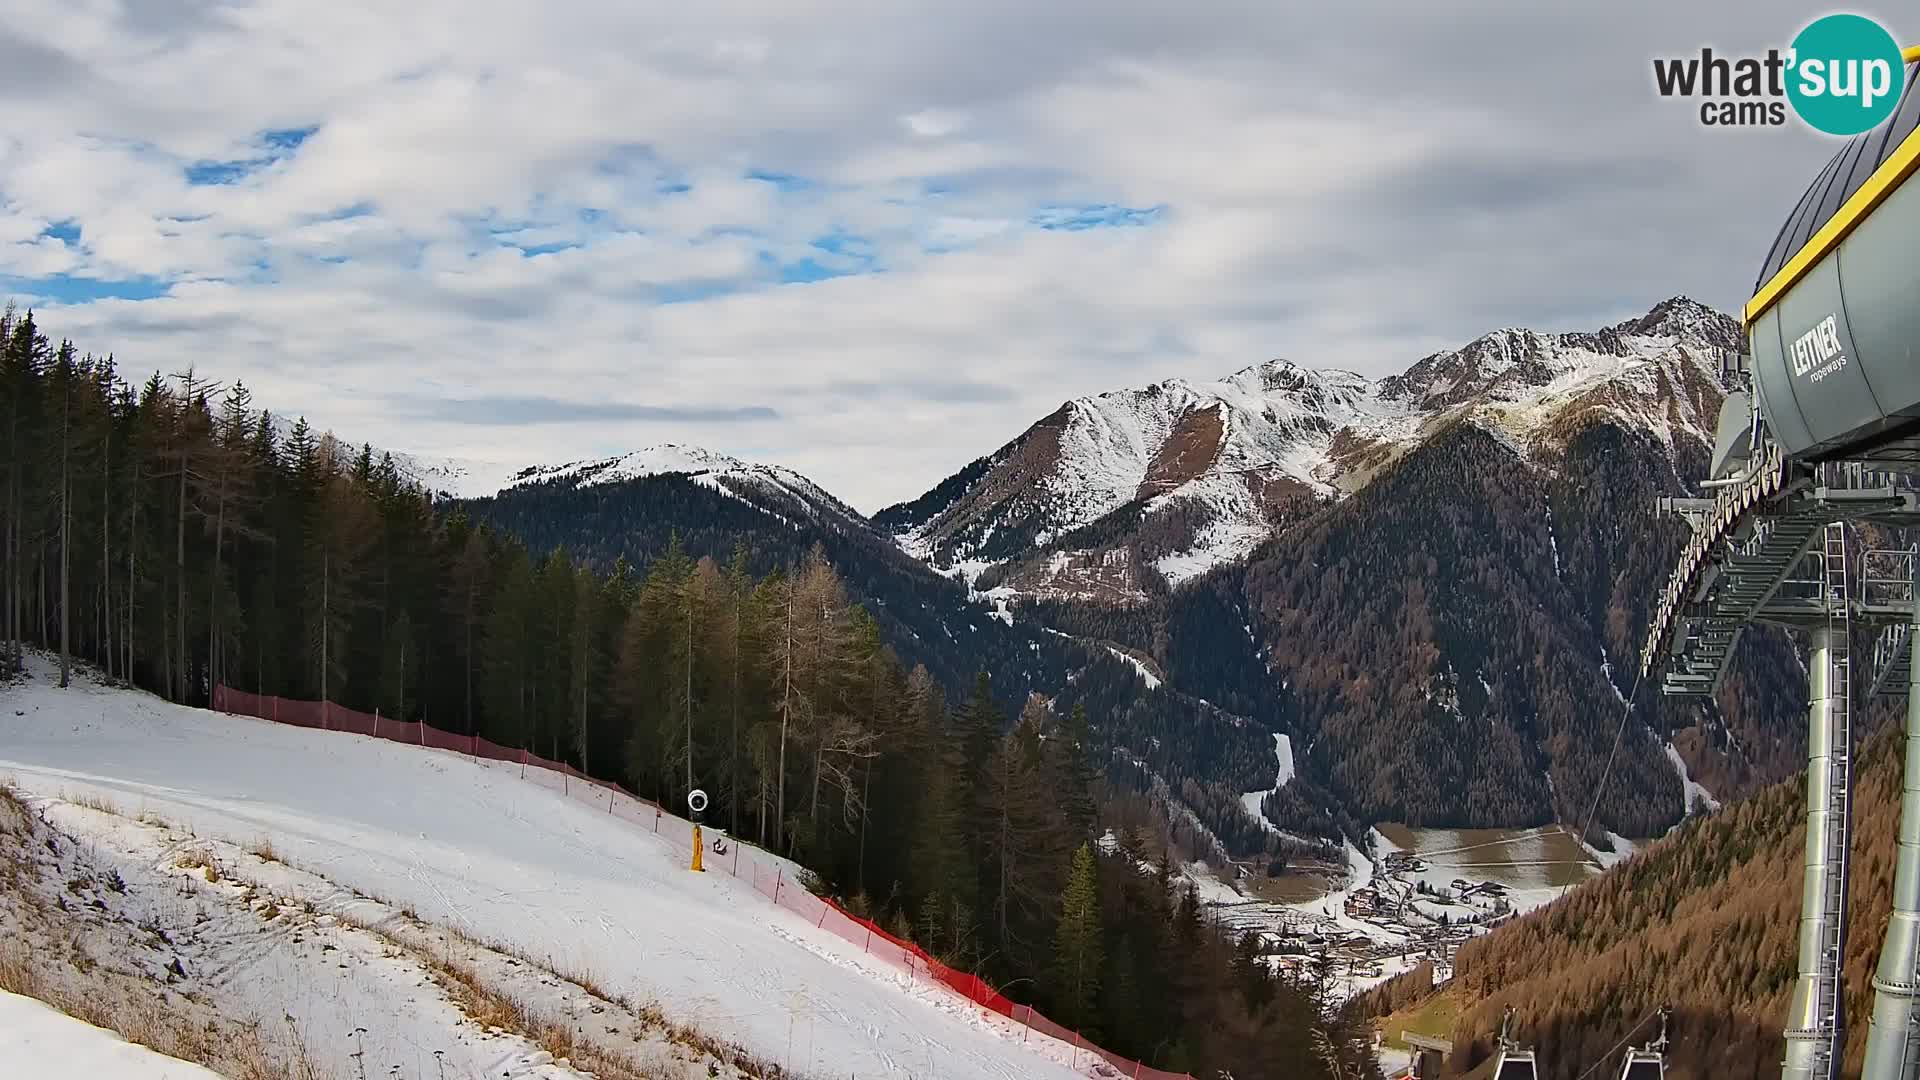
point(1188, 452)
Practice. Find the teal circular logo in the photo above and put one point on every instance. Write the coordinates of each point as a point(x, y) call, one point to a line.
point(1845, 74)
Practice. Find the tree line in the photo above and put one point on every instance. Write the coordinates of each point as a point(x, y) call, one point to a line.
point(177, 538)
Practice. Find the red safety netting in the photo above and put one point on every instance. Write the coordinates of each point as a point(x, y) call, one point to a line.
point(770, 876)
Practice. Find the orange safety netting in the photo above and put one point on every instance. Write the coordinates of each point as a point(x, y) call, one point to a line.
point(767, 873)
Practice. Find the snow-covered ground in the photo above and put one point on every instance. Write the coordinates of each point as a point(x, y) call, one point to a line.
point(1694, 792)
point(1283, 755)
point(37, 1039)
point(477, 849)
point(288, 966)
point(1146, 674)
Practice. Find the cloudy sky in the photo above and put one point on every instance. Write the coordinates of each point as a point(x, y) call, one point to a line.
point(870, 242)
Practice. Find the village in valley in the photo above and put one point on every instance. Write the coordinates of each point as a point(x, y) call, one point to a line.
point(1386, 913)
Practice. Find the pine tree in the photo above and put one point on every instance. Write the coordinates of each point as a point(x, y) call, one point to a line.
point(64, 376)
point(1077, 956)
point(467, 585)
point(1027, 850)
point(341, 532)
point(1069, 764)
point(584, 646)
point(224, 493)
point(395, 671)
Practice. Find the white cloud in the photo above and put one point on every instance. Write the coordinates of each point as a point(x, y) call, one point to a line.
point(934, 123)
point(1352, 190)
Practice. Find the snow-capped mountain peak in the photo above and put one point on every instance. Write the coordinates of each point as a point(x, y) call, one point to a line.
point(1209, 464)
point(773, 488)
point(662, 460)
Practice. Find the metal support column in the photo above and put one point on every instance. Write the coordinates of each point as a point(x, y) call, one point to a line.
point(1816, 1021)
point(1893, 1038)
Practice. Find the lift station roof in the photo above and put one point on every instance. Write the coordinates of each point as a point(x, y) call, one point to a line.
point(1834, 324)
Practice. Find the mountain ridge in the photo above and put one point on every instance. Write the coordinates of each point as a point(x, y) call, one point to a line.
point(1256, 493)
point(1215, 463)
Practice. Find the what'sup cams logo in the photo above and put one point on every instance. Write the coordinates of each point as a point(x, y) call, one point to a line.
point(1842, 75)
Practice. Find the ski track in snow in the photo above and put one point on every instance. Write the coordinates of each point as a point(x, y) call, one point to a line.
point(473, 845)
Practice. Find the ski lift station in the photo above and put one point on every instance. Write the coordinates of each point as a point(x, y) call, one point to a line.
point(1819, 435)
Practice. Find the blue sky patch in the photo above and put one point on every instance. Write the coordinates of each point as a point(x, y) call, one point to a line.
point(351, 210)
point(287, 140)
point(689, 292)
point(787, 182)
point(67, 232)
point(1074, 218)
point(276, 144)
point(213, 173)
point(67, 289)
point(808, 270)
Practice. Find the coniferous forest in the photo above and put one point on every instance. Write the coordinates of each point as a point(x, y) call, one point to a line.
point(173, 534)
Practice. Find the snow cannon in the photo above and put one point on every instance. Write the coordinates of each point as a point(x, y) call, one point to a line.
point(697, 806)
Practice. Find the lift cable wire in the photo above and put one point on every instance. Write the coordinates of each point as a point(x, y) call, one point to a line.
point(1626, 711)
point(1631, 1032)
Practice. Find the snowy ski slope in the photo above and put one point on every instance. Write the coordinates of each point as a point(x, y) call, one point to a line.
point(479, 849)
point(41, 1040)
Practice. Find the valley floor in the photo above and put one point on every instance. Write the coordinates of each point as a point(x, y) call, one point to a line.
point(1534, 866)
point(385, 897)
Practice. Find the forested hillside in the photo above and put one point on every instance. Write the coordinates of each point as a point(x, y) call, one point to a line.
point(1205, 754)
point(168, 534)
point(1704, 921)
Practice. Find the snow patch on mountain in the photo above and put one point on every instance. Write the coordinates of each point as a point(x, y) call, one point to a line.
point(1283, 754)
point(776, 490)
point(1693, 792)
point(1222, 543)
point(1146, 674)
point(708, 467)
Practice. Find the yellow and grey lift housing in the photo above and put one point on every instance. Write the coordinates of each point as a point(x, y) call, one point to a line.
point(1829, 436)
point(1834, 323)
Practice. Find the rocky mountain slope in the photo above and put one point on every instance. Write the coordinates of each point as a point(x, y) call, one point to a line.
point(1127, 492)
point(1430, 584)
